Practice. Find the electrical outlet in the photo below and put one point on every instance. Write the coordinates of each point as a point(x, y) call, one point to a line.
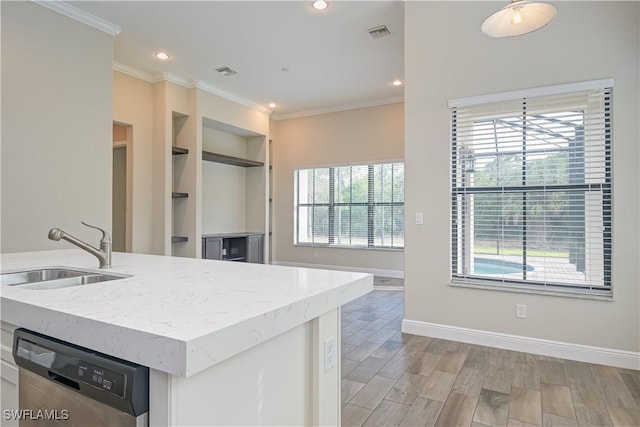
point(329, 353)
point(521, 311)
point(315, 254)
point(419, 218)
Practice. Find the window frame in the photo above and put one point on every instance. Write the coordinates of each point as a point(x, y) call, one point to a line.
point(605, 187)
point(332, 204)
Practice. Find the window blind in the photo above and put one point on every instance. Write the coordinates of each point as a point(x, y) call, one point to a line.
point(350, 206)
point(531, 191)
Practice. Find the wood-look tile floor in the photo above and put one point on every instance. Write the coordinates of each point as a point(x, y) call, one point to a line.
point(395, 379)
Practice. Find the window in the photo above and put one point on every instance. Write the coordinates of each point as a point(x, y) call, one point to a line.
point(531, 189)
point(350, 206)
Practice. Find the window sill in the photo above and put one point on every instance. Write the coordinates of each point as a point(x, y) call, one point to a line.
point(569, 293)
point(363, 248)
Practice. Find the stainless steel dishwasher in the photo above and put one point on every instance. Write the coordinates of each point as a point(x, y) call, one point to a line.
point(61, 384)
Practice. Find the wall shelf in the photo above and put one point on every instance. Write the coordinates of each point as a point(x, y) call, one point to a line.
point(179, 150)
point(177, 195)
point(178, 239)
point(229, 160)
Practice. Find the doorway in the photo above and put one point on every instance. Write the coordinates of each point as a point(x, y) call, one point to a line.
point(121, 189)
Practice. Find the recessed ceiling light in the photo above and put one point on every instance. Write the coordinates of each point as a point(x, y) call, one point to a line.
point(272, 105)
point(320, 4)
point(397, 83)
point(161, 55)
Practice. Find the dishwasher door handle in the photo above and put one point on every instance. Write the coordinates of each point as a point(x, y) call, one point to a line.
point(64, 380)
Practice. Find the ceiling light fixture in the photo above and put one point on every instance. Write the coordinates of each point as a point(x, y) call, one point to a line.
point(272, 105)
point(518, 18)
point(397, 83)
point(320, 4)
point(161, 55)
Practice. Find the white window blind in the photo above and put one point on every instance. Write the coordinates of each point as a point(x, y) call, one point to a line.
point(350, 206)
point(531, 191)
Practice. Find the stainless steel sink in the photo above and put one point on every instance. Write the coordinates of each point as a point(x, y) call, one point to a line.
point(53, 278)
point(31, 276)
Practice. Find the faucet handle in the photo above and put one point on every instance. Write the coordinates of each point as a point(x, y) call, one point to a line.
point(105, 235)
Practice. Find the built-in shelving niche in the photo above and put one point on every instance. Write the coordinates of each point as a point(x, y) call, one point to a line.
point(233, 179)
point(180, 138)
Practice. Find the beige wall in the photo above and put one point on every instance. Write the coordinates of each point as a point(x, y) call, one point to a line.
point(446, 57)
point(223, 186)
point(56, 127)
point(133, 105)
point(373, 134)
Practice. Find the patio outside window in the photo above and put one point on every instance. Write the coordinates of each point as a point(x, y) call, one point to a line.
point(531, 190)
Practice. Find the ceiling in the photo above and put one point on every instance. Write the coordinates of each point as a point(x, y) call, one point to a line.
point(333, 63)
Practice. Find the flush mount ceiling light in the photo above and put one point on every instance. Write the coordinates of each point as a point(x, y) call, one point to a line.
point(517, 18)
point(397, 83)
point(161, 55)
point(272, 105)
point(320, 4)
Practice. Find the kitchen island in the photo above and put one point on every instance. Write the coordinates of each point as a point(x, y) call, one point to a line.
point(226, 343)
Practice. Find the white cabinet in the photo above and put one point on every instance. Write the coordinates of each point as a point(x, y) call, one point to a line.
point(8, 374)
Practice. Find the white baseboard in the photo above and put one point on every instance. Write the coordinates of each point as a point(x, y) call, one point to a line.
point(564, 350)
point(396, 274)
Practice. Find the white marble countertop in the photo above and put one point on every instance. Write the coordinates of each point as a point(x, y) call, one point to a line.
point(176, 315)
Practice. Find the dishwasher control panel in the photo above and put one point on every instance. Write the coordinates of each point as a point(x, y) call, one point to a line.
point(101, 377)
point(113, 381)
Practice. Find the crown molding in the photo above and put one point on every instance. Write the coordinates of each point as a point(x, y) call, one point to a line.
point(337, 108)
point(187, 84)
point(175, 79)
point(80, 16)
point(238, 100)
point(133, 72)
point(190, 84)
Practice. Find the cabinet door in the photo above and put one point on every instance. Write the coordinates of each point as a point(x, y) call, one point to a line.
point(8, 375)
point(254, 248)
point(212, 248)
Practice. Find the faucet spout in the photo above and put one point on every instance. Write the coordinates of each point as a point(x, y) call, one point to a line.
point(103, 254)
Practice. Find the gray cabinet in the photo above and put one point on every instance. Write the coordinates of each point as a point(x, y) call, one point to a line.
point(254, 248)
point(241, 247)
point(212, 248)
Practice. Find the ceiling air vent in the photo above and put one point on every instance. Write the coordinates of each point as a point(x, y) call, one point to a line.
point(226, 71)
point(377, 32)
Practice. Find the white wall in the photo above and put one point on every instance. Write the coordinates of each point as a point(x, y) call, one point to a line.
point(56, 127)
point(446, 56)
point(133, 105)
point(373, 134)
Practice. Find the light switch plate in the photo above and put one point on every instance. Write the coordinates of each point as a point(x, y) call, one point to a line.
point(419, 218)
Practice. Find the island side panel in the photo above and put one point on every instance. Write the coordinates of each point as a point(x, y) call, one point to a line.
point(326, 384)
point(278, 382)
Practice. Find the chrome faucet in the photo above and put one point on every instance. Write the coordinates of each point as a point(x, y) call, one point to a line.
point(103, 254)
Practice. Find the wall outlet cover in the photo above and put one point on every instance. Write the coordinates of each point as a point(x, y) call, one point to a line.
point(330, 353)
